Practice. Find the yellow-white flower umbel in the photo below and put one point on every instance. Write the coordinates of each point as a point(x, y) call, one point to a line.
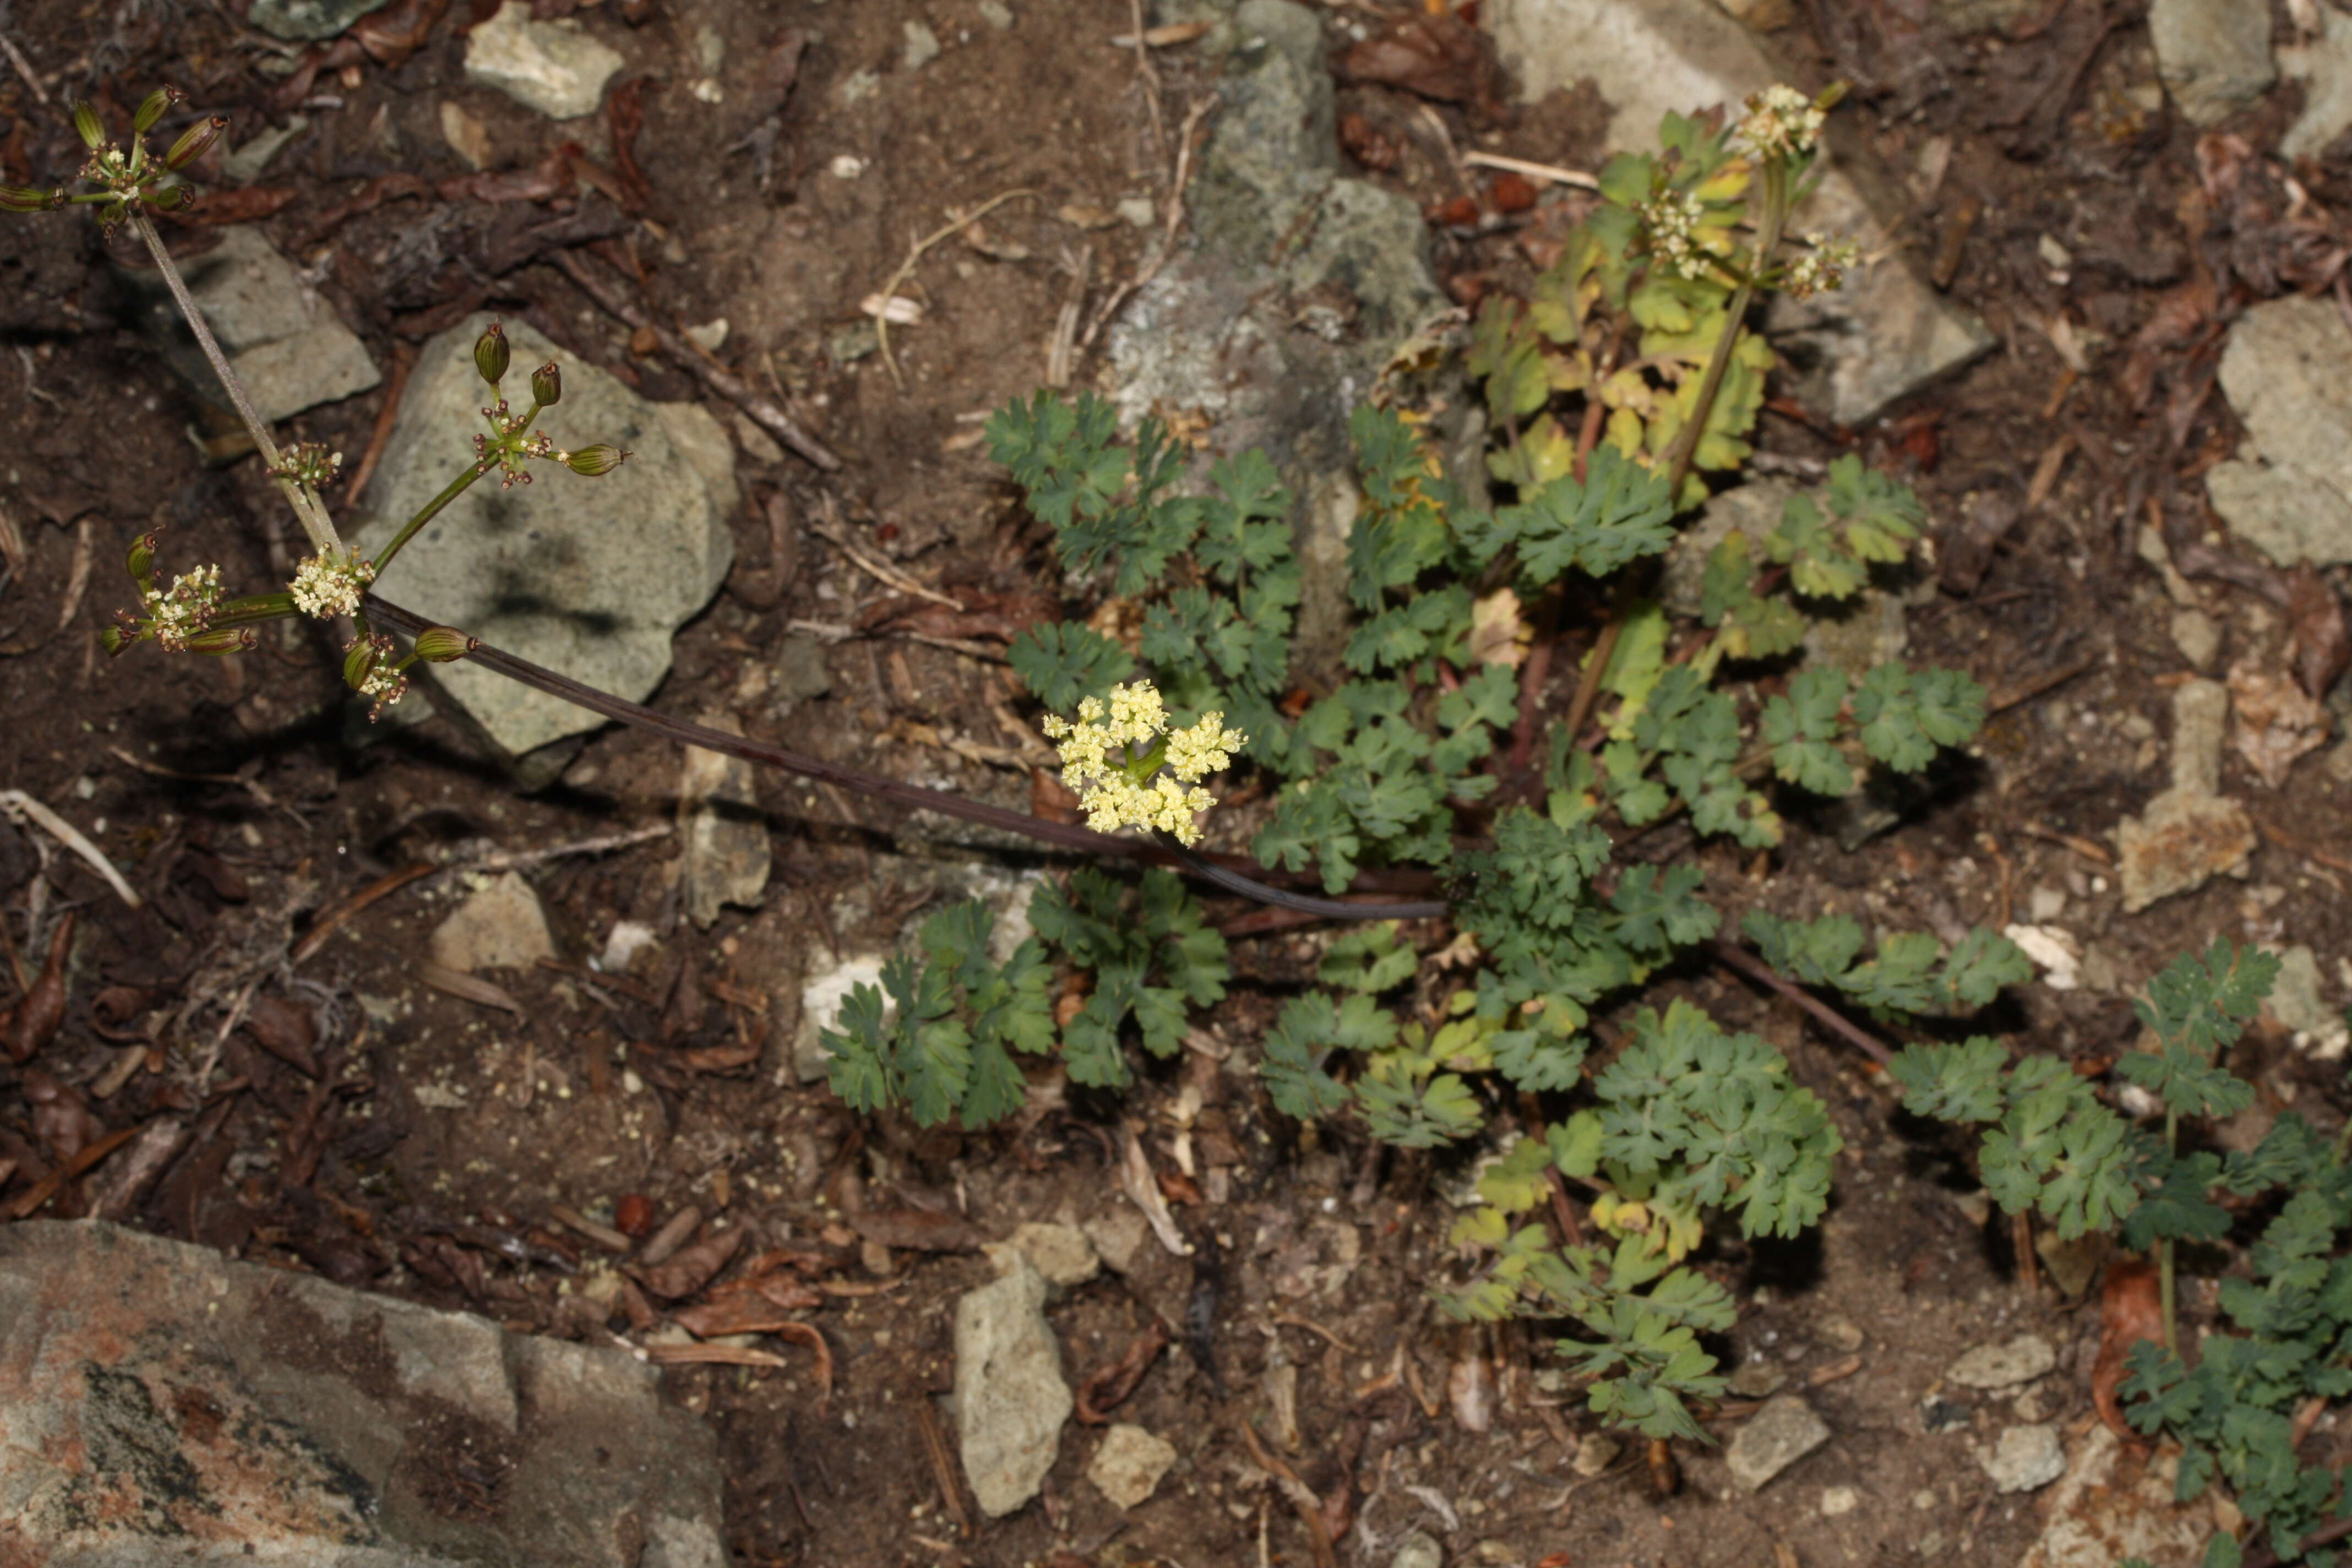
point(1114, 754)
point(185, 609)
point(1672, 220)
point(1782, 123)
point(1821, 268)
point(325, 587)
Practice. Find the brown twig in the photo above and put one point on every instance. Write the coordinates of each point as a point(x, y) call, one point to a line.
point(2003, 701)
point(678, 352)
point(2317, 856)
point(958, 222)
point(49, 1185)
point(344, 909)
point(1732, 956)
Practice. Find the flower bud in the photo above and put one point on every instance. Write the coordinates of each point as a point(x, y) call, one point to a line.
point(116, 641)
point(233, 639)
point(176, 198)
point(358, 660)
point(141, 559)
point(159, 100)
point(593, 461)
point(195, 142)
point(490, 353)
point(444, 645)
point(547, 385)
point(88, 125)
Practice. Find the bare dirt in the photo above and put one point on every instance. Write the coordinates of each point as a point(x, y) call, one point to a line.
point(428, 1156)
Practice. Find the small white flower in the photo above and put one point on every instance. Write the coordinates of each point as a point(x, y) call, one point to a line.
point(1672, 220)
point(1781, 122)
point(1821, 268)
point(324, 587)
point(186, 608)
point(1110, 741)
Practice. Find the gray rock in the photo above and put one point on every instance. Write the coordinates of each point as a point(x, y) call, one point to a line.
point(1595, 1454)
point(1886, 333)
point(1757, 1378)
point(802, 673)
point(723, 831)
point(2005, 1365)
point(165, 1404)
point(244, 165)
point(1128, 1467)
point(1060, 1252)
point(501, 926)
point(1860, 634)
point(1118, 1237)
point(996, 14)
point(923, 47)
point(2324, 66)
point(1283, 239)
point(1753, 508)
point(587, 576)
point(2213, 55)
point(2295, 1002)
point(284, 343)
point(822, 994)
point(2025, 1459)
point(1010, 1398)
point(2280, 371)
point(553, 66)
point(309, 19)
point(1838, 1333)
point(2198, 636)
point(2189, 833)
point(1419, 1549)
point(2104, 1510)
point(1775, 1438)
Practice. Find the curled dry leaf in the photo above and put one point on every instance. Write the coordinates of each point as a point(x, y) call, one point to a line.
point(2322, 647)
point(1363, 140)
point(2276, 721)
point(61, 1118)
point(1108, 1387)
point(2130, 1310)
point(1498, 633)
point(286, 1030)
point(33, 1021)
point(689, 1268)
point(1470, 1391)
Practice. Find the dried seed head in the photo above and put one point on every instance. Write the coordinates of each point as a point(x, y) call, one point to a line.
point(490, 353)
point(443, 645)
point(193, 142)
point(547, 385)
point(594, 460)
point(88, 125)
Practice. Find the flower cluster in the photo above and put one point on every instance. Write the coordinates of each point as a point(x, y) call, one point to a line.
point(1821, 268)
point(184, 611)
point(325, 587)
point(1113, 755)
point(1782, 123)
point(310, 463)
point(1672, 220)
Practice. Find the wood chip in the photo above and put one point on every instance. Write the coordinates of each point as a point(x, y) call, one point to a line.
point(1135, 1179)
point(467, 987)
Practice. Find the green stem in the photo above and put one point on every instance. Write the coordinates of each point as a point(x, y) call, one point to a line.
point(1683, 452)
point(456, 488)
point(254, 609)
point(2164, 1279)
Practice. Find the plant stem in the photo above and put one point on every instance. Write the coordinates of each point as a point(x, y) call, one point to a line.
point(307, 509)
point(432, 508)
point(2164, 1279)
point(1684, 450)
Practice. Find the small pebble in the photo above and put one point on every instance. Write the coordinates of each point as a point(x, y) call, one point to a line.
point(1839, 1501)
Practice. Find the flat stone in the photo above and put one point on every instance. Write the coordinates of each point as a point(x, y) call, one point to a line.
point(2198, 636)
point(2293, 501)
point(501, 926)
point(1011, 1400)
point(2214, 55)
point(588, 576)
point(2317, 1026)
point(1060, 1252)
point(2324, 66)
point(1419, 1549)
point(1839, 1332)
point(1775, 1438)
point(309, 19)
point(2111, 1504)
point(1886, 333)
point(1757, 1377)
point(922, 46)
point(161, 1404)
point(284, 343)
point(555, 68)
point(2003, 1366)
point(244, 163)
point(1118, 1237)
point(1595, 1454)
point(1839, 1501)
point(722, 829)
point(2180, 843)
point(2025, 1459)
point(1128, 1467)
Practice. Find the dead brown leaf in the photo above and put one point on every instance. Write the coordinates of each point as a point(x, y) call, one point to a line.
point(625, 112)
point(690, 1268)
point(2322, 647)
point(752, 1314)
point(286, 1031)
point(467, 987)
point(32, 1022)
point(918, 1230)
point(1438, 56)
point(217, 209)
point(2275, 721)
point(2130, 1310)
point(1107, 1387)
